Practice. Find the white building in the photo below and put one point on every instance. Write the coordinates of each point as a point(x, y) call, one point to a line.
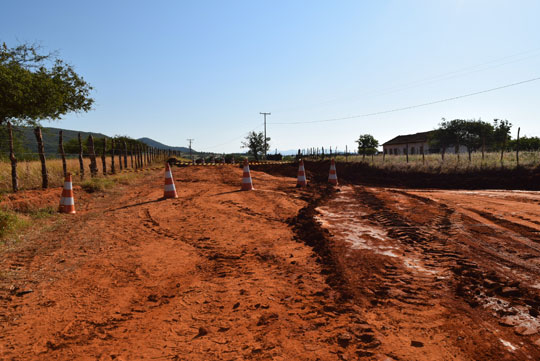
point(416, 144)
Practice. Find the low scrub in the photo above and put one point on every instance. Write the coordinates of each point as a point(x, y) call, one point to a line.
point(9, 222)
point(97, 184)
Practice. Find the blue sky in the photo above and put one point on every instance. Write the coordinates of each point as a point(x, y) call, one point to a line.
point(172, 70)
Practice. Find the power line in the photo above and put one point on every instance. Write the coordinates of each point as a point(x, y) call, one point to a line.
point(235, 139)
point(413, 106)
point(436, 78)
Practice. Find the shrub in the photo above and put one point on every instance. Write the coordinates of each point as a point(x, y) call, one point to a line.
point(9, 222)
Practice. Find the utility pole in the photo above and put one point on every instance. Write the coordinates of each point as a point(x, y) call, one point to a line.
point(265, 114)
point(190, 140)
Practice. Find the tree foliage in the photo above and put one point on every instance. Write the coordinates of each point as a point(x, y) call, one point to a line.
point(255, 144)
point(367, 144)
point(529, 144)
point(473, 134)
point(72, 146)
point(501, 133)
point(36, 86)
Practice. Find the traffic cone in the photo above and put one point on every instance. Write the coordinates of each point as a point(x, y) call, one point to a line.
point(67, 202)
point(247, 185)
point(170, 189)
point(332, 176)
point(301, 182)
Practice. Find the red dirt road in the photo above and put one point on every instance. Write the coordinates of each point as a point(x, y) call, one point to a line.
point(454, 273)
point(219, 274)
point(213, 275)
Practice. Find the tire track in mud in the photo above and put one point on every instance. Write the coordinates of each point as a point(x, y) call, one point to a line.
point(309, 231)
point(446, 248)
point(470, 274)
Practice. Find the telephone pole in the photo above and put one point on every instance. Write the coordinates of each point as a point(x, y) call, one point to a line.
point(190, 140)
point(265, 114)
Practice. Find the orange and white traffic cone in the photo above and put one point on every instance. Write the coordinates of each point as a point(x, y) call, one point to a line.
point(247, 185)
point(301, 181)
point(332, 176)
point(170, 189)
point(67, 202)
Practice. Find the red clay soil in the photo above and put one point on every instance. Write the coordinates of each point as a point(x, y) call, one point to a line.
point(213, 275)
point(442, 275)
point(275, 274)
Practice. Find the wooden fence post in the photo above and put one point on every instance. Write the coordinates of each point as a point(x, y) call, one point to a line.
point(131, 155)
point(407, 152)
point(41, 151)
point(142, 156)
point(119, 155)
point(13, 159)
point(103, 159)
point(136, 150)
point(517, 147)
point(62, 153)
point(81, 163)
point(125, 155)
point(113, 169)
point(92, 153)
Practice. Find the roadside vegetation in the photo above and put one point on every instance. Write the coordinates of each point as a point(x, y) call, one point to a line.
point(432, 163)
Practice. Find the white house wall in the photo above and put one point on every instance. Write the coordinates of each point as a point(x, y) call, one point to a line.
point(415, 148)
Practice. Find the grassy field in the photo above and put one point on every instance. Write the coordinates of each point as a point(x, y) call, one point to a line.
point(29, 173)
point(452, 163)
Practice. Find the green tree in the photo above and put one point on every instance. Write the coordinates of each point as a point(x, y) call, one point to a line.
point(501, 135)
point(529, 144)
point(35, 86)
point(367, 144)
point(477, 135)
point(255, 144)
point(442, 138)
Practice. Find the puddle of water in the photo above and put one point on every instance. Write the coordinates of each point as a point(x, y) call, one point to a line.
point(518, 314)
point(414, 264)
point(508, 345)
point(344, 218)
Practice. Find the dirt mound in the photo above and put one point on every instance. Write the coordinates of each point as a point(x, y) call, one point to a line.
point(33, 200)
point(363, 173)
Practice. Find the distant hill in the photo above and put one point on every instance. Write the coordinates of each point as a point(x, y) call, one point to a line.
point(159, 145)
point(50, 138)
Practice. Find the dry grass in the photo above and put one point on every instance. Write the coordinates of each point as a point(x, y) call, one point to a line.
point(452, 163)
point(29, 173)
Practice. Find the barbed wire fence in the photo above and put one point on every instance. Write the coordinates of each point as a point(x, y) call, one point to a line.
point(115, 154)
